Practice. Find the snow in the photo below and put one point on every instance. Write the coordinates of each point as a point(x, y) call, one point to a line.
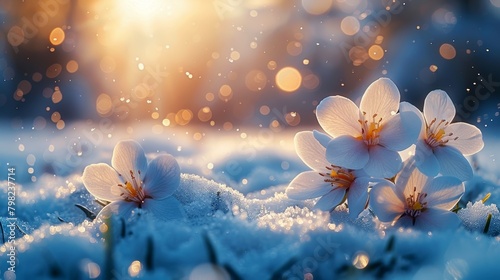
point(228, 229)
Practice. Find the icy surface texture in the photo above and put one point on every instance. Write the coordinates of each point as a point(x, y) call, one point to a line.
point(233, 226)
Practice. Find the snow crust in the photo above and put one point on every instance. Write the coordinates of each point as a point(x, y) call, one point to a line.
point(232, 225)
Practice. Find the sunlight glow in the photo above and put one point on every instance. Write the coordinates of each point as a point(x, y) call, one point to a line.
point(142, 9)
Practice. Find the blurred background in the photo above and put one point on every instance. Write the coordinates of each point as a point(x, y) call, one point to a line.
point(180, 76)
point(233, 63)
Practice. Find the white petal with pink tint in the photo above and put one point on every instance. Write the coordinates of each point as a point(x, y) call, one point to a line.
point(129, 156)
point(330, 200)
point(357, 196)
point(438, 105)
point(348, 152)
point(310, 151)
point(101, 180)
point(163, 177)
point(380, 98)
point(308, 185)
point(385, 203)
point(407, 107)
point(470, 138)
point(382, 162)
point(401, 131)
point(443, 192)
point(453, 163)
point(425, 159)
point(338, 115)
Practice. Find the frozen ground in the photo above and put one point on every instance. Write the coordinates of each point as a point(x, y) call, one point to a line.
point(237, 223)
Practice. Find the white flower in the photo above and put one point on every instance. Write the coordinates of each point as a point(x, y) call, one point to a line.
point(368, 137)
point(131, 183)
point(417, 200)
point(328, 181)
point(442, 145)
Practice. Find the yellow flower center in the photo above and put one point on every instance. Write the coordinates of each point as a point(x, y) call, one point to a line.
point(415, 204)
point(436, 133)
point(133, 191)
point(338, 176)
point(370, 130)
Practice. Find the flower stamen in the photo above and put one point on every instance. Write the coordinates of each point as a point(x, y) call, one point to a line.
point(338, 176)
point(370, 130)
point(133, 191)
point(415, 204)
point(436, 133)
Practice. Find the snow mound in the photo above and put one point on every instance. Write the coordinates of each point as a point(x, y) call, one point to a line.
point(234, 225)
point(230, 236)
point(475, 217)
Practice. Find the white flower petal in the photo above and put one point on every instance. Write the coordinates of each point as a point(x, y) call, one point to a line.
point(381, 98)
point(384, 202)
point(348, 152)
point(425, 159)
point(407, 107)
point(162, 177)
point(330, 200)
point(120, 208)
point(443, 192)
point(307, 185)
point(164, 209)
point(410, 180)
point(437, 219)
point(338, 115)
point(357, 197)
point(438, 105)
point(322, 138)
point(382, 162)
point(129, 156)
point(101, 180)
point(453, 163)
point(401, 131)
point(358, 173)
point(310, 151)
point(470, 138)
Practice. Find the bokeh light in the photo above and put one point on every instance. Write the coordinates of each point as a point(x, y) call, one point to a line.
point(288, 79)
point(361, 260)
point(317, 7)
point(376, 52)
point(205, 114)
point(57, 95)
point(104, 104)
point(57, 36)
point(72, 66)
point(53, 71)
point(350, 25)
point(447, 51)
point(188, 64)
point(225, 93)
point(135, 268)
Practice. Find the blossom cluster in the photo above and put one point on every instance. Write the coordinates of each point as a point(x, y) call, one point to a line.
point(358, 160)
